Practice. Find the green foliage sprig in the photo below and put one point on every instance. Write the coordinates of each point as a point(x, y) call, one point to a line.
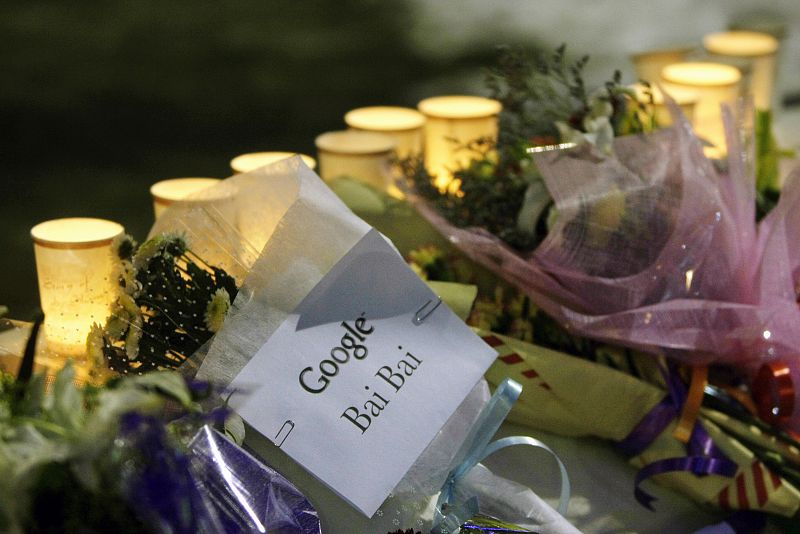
point(545, 101)
point(58, 469)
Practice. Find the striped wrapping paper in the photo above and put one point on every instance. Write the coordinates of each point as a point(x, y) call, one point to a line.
point(574, 397)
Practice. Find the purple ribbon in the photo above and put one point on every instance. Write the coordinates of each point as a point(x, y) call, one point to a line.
point(703, 458)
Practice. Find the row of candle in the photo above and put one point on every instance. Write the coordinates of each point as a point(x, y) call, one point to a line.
point(739, 63)
point(377, 134)
point(72, 255)
point(73, 260)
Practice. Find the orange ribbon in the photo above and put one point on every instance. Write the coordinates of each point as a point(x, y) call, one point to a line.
point(691, 408)
point(773, 392)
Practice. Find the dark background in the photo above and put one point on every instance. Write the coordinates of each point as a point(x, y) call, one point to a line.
point(101, 99)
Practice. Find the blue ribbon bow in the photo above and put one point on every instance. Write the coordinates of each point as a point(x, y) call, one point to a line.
point(476, 448)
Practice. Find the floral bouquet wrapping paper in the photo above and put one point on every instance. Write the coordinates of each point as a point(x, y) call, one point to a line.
point(138, 454)
point(654, 249)
point(300, 237)
point(575, 397)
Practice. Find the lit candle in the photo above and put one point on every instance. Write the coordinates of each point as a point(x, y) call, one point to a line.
point(75, 266)
point(167, 192)
point(685, 98)
point(363, 156)
point(648, 65)
point(453, 122)
point(715, 84)
point(403, 124)
point(758, 51)
point(254, 160)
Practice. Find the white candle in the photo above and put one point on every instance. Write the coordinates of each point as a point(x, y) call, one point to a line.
point(649, 64)
point(167, 192)
point(451, 123)
point(685, 98)
point(254, 160)
point(75, 266)
point(403, 124)
point(758, 51)
point(715, 84)
point(363, 156)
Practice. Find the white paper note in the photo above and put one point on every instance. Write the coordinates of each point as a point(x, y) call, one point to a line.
point(349, 386)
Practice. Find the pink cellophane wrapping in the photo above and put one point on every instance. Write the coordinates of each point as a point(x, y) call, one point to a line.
point(655, 250)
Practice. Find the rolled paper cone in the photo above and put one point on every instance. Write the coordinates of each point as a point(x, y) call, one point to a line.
point(363, 156)
point(405, 125)
point(649, 64)
point(715, 84)
point(685, 98)
point(75, 269)
point(452, 122)
point(758, 51)
point(254, 160)
point(167, 192)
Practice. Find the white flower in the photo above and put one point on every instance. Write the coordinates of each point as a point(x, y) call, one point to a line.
point(597, 128)
point(216, 310)
point(95, 344)
point(602, 133)
point(123, 246)
point(125, 275)
point(600, 104)
point(129, 305)
point(133, 338)
point(149, 250)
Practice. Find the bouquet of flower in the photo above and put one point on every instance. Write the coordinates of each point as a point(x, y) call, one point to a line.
point(306, 233)
point(572, 386)
point(137, 454)
point(545, 103)
point(648, 245)
point(170, 303)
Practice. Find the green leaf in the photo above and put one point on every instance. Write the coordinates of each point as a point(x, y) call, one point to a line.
point(767, 153)
point(34, 399)
point(537, 199)
point(67, 401)
point(166, 382)
point(359, 197)
point(234, 428)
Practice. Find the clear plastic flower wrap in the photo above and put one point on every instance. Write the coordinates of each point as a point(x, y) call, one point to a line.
point(247, 495)
point(136, 454)
point(654, 249)
point(302, 229)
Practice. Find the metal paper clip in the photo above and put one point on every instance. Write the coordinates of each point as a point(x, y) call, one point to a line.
point(290, 425)
point(423, 313)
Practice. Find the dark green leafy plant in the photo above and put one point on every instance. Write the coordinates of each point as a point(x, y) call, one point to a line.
point(545, 101)
point(95, 458)
point(768, 155)
point(171, 302)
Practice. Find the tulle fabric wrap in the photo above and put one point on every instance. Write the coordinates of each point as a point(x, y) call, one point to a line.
point(281, 231)
point(655, 250)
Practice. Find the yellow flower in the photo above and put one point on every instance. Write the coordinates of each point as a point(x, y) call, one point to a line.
point(216, 310)
point(419, 271)
point(149, 249)
point(125, 275)
point(95, 344)
point(133, 338)
point(123, 246)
